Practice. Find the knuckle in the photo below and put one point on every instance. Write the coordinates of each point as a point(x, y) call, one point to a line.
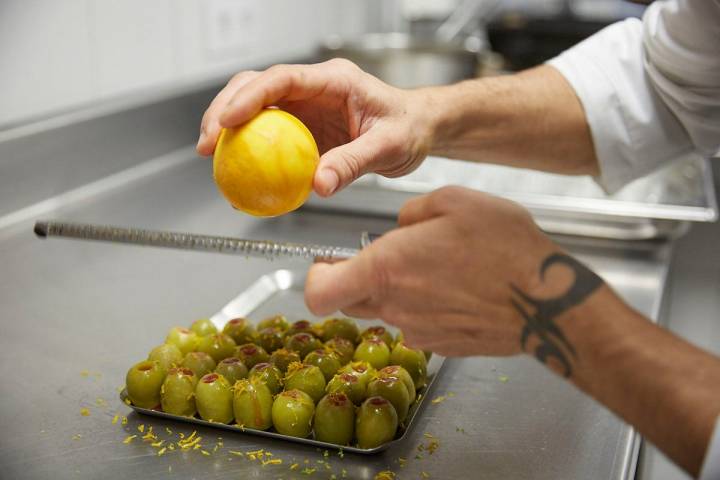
point(238, 77)
point(277, 68)
point(343, 64)
point(442, 199)
point(352, 165)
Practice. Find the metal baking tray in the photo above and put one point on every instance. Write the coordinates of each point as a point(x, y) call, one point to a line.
point(282, 292)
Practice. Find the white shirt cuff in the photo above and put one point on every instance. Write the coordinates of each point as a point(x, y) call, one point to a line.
point(633, 132)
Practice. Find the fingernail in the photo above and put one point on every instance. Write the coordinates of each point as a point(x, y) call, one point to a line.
point(201, 139)
point(329, 179)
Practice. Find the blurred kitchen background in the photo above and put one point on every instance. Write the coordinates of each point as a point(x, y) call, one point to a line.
point(98, 93)
point(62, 55)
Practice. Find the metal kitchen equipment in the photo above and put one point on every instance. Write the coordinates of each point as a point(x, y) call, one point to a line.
point(409, 61)
point(282, 291)
point(202, 243)
point(660, 205)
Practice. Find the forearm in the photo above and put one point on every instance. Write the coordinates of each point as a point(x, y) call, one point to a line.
point(667, 388)
point(532, 120)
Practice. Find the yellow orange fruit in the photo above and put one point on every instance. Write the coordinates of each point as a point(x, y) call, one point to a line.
point(266, 166)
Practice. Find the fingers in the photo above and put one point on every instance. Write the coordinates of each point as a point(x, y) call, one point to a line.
point(281, 82)
point(342, 165)
point(418, 209)
point(367, 309)
point(332, 287)
point(210, 125)
point(431, 205)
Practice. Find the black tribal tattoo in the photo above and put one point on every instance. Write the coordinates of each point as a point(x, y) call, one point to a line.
point(540, 314)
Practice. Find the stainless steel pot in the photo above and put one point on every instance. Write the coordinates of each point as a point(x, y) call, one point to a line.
point(407, 61)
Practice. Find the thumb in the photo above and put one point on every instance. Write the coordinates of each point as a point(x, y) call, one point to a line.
point(344, 164)
point(331, 287)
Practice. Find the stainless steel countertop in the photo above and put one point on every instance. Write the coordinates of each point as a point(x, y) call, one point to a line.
point(70, 306)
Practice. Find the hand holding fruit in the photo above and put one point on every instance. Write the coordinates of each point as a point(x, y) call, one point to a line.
point(349, 112)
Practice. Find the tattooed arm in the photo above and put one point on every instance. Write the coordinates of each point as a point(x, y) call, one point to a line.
point(665, 387)
point(470, 274)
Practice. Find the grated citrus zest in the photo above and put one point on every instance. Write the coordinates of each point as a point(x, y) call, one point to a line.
point(385, 475)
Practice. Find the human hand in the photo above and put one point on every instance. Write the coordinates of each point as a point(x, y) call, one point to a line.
point(445, 276)
point(360, 124)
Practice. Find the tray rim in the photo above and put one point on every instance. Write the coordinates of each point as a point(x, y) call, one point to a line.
point(282, 279)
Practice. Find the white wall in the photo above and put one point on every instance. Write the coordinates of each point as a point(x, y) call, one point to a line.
point(56, 55)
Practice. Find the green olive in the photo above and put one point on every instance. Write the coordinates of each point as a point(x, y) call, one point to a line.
point(307, 378)
point(252, 404)
point(380, 332)
point(177, 395)
point(326, 361)
point(232, 368)
point(144, 381)
point(214, 398)
point(199, 362)
point(393, 390)
point(374, 351)
point(270, 339)
point(186, 340)
point(396, 371)
point(217, 345)
point(342, 347)
point(167, 355)
point(276, 321)
point(400, 337)
point(376, 422)
point(283, 358)
point(301, 326)
point(411, 360)
point(334, 419)
point(349, 384)
point(204, 327)
point(339, 327)
point(251, 354)
point(363, 370)
point(240, 330)
point(268, 374)
point(303, 343)
point(292, 413)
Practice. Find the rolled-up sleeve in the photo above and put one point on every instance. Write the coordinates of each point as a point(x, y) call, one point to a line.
point(650, 89)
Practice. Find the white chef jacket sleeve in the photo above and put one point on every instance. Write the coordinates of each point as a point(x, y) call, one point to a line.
point(711, 464)
point(650, 90)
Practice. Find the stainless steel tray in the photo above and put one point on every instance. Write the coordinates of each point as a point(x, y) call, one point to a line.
point(657, 206)
point(282, 292)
